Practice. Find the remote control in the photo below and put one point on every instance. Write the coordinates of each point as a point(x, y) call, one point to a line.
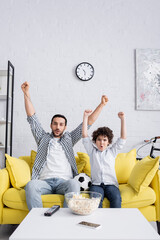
point(51, 210)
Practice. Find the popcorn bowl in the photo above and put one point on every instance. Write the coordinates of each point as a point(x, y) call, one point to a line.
point(84, 202)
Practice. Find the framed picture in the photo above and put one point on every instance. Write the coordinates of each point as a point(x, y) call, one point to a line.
point(148, 79)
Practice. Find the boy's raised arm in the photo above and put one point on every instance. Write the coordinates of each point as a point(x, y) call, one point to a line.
point(86, 114)
point(123, 125)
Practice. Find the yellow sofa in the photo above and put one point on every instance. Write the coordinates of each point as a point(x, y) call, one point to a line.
point(136, 191)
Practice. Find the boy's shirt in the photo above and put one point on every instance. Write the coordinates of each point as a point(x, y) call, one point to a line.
point(103, 163)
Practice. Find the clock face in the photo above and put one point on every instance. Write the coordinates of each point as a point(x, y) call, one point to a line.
point(84, 71)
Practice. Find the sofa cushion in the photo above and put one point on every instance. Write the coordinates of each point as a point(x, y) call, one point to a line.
point(130, 199)
point(80, 164)
point(16, 199)
point(27, 159)
point(30, 159)
point(124, 164)
point(84, 159)
point(143, 173)
point(19, 171)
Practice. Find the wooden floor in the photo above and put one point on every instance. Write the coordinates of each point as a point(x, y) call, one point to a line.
point(7, 230)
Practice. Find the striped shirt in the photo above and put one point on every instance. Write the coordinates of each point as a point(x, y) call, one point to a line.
point(42, 138)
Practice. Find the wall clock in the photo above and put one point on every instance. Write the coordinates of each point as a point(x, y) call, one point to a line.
point(84, 71)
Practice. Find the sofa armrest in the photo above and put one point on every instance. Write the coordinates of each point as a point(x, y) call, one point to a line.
point(4, 185)
point(155, 184)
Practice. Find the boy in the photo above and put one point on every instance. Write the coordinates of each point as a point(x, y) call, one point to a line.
point(102, 159)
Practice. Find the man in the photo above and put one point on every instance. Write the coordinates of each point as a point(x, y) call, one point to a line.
point(55, 165)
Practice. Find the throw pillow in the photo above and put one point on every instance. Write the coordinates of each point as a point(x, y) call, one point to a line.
point(143, 173)
point(124, 164)
point(80, 164)
point(84, 159)
point(19, 171)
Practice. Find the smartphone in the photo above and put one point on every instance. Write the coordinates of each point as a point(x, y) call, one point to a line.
point(90, 225)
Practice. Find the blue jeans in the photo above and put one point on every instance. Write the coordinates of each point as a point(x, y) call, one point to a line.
point(109, 191)
point(35, 188)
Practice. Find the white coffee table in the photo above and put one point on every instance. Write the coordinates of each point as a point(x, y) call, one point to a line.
point(124, 223)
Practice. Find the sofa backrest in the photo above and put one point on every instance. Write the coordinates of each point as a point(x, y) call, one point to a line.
point(124, 164)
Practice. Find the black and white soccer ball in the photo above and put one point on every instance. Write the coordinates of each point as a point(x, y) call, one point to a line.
point(84, 181)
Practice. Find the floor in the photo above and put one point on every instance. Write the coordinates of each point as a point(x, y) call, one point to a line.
point(7, 230)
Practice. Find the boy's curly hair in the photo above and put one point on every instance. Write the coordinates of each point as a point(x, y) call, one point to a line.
point(104, 131)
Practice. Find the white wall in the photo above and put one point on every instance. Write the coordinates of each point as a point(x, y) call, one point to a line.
point(46, 39)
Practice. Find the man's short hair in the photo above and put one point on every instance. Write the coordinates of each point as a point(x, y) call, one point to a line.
point(59, 116)
point(103, 131)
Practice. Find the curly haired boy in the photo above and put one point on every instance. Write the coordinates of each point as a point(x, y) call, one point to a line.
point(102, 159)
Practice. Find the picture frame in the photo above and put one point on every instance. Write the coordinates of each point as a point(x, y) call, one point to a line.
point(148, 79)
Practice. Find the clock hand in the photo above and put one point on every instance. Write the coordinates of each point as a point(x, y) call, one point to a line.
point(84, 72)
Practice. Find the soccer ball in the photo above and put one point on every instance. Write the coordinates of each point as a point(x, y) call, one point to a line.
point(84, 181)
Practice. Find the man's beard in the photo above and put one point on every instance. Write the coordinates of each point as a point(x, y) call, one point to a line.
point(60, 134)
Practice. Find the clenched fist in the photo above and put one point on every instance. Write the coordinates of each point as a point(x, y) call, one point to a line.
point(87, 113)
point(121, 115)
point(25, 87)
point(104, 100)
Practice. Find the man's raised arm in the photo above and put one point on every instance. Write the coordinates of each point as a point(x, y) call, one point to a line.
point(35, 125)
point(28, 104)
point(92, 118)
point(76, 134)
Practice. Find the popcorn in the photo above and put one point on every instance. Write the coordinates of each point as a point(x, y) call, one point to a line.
point(83, 206)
